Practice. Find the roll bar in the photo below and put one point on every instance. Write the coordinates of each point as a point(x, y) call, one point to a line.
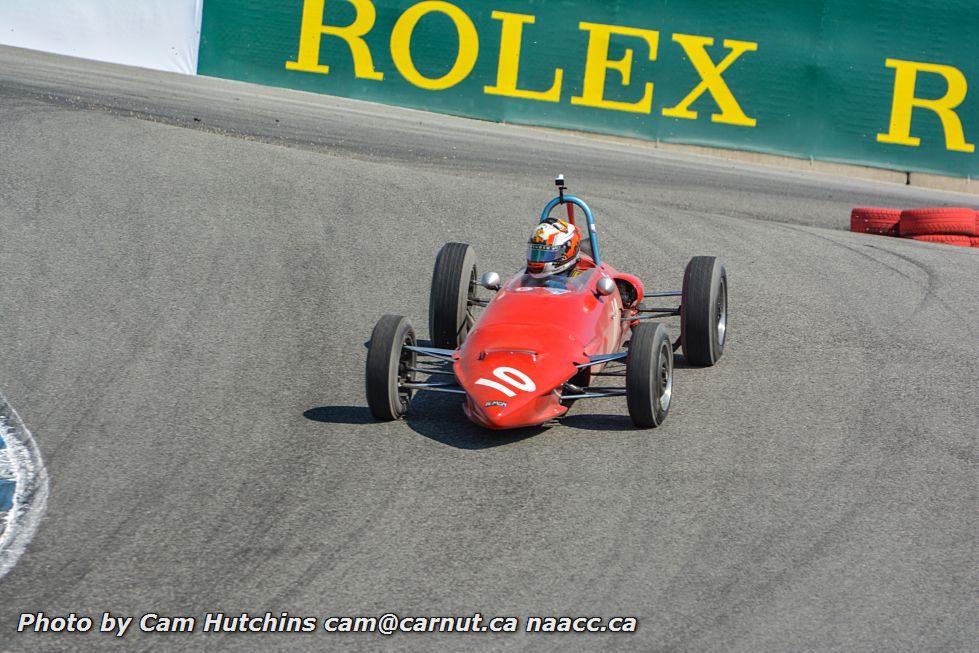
point(575, 201)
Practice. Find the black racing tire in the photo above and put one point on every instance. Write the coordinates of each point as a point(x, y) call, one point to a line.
point(649, 374)
point(388, 364)
point(450, 301)
point(703, 311)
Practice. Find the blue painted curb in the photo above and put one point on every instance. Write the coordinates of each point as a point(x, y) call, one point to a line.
point(6, 488)
point(6, 495)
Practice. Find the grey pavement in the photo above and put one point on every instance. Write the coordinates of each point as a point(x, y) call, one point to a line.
point(189, 270)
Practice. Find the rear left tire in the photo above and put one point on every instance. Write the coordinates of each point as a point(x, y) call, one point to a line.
point(453, 289)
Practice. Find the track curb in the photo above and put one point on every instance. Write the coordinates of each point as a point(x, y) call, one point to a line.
point(26, 483)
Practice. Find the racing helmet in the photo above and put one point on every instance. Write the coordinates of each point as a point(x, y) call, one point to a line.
point(553, 248)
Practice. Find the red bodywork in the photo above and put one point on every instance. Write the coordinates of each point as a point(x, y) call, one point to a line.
point(528, 341)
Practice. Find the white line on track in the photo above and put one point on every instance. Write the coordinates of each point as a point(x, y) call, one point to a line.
point(6, 465)
point(31, 490)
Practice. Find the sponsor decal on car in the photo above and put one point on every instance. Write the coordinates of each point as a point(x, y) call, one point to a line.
point(501, 404)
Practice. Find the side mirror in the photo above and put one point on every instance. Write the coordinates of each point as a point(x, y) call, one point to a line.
point(605, 286)
point(490, 281)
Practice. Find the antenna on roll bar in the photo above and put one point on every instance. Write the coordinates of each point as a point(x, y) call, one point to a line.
point(561, 187)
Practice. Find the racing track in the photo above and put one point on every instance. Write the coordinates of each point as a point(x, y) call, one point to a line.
point(189, 269)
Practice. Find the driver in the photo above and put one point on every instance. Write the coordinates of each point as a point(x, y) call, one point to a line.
point(553, 251)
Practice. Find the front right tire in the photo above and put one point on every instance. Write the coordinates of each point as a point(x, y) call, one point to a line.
point(389, 365)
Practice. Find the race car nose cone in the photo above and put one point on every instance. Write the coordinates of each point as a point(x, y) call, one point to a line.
point(491, 414)
point(498, 414)
point(510, 374)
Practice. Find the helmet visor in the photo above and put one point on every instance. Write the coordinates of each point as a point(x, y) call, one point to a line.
point(537, 253)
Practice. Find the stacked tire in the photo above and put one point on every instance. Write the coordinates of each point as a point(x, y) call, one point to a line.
point(947, 226)
point(875, 221)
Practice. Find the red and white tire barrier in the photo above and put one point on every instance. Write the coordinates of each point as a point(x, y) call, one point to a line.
point(944, 239)
point(875, 221)
point(952, 221)
point(946, 225)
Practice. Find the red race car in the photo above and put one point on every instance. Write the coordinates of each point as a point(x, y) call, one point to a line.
point(542, 339)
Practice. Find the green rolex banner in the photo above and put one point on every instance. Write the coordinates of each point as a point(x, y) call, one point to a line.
point(880, 83)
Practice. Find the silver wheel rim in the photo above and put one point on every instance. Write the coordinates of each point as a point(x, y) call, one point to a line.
point(721, 313)
point(406, 361)
point(665, 371)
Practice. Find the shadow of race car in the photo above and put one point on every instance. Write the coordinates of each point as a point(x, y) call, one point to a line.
point(539, 346)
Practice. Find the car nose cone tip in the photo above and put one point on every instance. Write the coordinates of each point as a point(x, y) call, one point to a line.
point(528, 413)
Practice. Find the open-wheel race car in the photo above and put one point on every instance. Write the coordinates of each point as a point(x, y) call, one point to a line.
point(539, 342)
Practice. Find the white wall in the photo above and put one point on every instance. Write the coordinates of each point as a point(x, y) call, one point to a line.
point(160, 34)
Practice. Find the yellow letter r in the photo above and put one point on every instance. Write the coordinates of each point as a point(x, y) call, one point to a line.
point(905, 77)
point(313, 30)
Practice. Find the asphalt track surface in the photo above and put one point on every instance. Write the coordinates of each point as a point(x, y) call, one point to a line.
point(189, 270)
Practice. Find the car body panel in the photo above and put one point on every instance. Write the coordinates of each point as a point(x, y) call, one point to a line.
point(530, 340)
